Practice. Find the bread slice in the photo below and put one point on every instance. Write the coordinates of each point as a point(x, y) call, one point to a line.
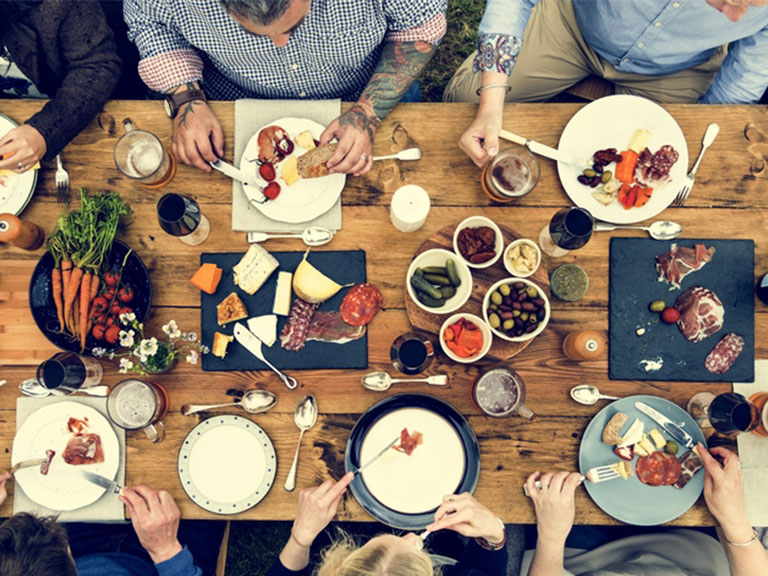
point(231, 309)
point(220, 343)
point(612, 430)
point(312, 163)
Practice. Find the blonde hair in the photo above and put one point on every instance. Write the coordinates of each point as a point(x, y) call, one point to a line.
point(346, 558)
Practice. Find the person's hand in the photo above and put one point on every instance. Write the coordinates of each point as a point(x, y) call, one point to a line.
point(197, 135)
point(554, 503)
point(155, 518)
point(317, 507)
point(465, 515)
point(21, 148)
point(355, 130)
point(3, 491)
point(481, 140)
point(724, 492)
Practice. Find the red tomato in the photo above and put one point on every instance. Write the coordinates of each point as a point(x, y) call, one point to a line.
point(111, 278)
point(125, 294)
point(110, 321)
point(109, 293)
point(98, 331)
point(115, 309)
point(113, 334)
point(670, 315)
point(267, 171)
point(99, 318)
point(125, 310)
point(100, 304)
point(272, 190)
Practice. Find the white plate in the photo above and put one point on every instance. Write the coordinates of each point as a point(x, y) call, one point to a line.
point(417, 483)
point(610, 122)
point(306, 199)
point(15, 189)
point(227, 464)
point(62, 488)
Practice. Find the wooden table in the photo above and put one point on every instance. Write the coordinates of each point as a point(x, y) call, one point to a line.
point(726, 202)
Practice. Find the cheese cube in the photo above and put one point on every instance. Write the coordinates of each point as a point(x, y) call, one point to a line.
point(282, 304)
point(289, 170)
point(658, 439)
point(220, 343)
point(647, 445)
point(639, 450)
point(305, 140)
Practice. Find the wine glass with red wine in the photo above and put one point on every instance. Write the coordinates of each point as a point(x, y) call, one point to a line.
point(569, 229)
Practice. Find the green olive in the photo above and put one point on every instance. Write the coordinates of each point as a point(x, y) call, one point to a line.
point(494, 320)
point(493, 306)
point(532, 319)
point(524, 316)
point(532, 292)
point(589, 173)
point(515, 313)
point(671, 447)
point(606, 177)
point(504, 289)
point(657, 306)
point(496, 298)
point(508, 324)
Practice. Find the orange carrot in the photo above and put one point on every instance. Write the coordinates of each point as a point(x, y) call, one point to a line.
point(85, 300)
point(95, 280)
point(75, 316)
point(66, 273)
point(74, 285)
point(56, 288)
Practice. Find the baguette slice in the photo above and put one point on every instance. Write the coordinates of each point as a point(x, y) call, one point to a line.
point(612, 430)
point(312, 163)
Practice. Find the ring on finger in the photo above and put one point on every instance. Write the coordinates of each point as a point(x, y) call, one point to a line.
point(364, 157)
point(541, 486)
point(21, 165)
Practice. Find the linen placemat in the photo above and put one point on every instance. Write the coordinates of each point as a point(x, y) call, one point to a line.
point(251, 116)
point(753, 453)
point(108, 508)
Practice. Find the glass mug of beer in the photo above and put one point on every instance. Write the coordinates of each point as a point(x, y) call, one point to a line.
point(138, 405)
point(141, 156)
point(501, 392)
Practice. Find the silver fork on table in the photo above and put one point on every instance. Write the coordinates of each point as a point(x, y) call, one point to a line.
point(594, 475)
point(709, 137)
point(62, 182)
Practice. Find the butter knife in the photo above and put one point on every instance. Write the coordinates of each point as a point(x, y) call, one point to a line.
point(251, 342)
point(101, 481)
point(671, 427)
point(543, 149)
point(253, 190)
point(372, 460)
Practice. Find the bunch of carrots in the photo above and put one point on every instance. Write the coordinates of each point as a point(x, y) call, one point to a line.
point(80, 245)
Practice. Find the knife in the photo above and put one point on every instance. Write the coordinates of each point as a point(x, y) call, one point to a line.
point(253, 190)
point(673, 429)
point(101, 481)
point(543, 149)
point(251, 342)
point(372, 460)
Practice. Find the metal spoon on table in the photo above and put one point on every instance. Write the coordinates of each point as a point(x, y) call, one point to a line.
point(408, 154)
point(305, 417)
point(32, 387)
point(312, 236)
point(381, 381)
point(588, 395)
point(253, 402)
point(659, 230)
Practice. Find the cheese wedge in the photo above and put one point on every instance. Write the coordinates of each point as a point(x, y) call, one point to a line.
point(207, 278)
point(633, 435)
point(312, 285)
point(639, 140)
point(255, 267)
point(658, 439)
point(231, 309)
point(289, 170)
point(282, 304)
point(265, 328)
point(220, 344)
point(305, 140)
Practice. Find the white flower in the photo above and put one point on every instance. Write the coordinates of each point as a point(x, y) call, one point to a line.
point(126, 338)
point(127, 319)
point(125, 365)
point(172, 330)
point(147, 348)
point(204, 349)
point(192, 337)
point(98, 352)
point(192, 357)
point(184, 336)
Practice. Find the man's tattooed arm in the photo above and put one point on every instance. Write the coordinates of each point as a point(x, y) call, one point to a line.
point(188, 108)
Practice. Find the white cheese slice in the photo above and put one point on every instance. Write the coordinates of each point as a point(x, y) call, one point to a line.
point(255, 267)
point(658, 439)
point(282, 304)
point(634, 434)
point(265, 328)
point(647, 445)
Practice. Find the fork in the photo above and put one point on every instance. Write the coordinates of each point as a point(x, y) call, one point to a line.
point(62, 182)
point(594, 475)
point(27, 464)
point(709, 137)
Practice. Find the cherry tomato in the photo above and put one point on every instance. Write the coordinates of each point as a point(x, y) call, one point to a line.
point(125, 294)
point(111, 278)
point(267, 171)
point(110, 321)
point(113, 334)
point(109, 293)
point(272, 190)
point(98, 331)
point(100, 304)
point(99, 318)
point(115, 309)
point(670, 315)
point(125, 310)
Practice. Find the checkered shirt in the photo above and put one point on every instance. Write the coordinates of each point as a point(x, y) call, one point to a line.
point(331, 55)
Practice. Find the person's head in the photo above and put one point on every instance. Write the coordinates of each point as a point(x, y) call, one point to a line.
point(735, 9)
point(31, 546)
point(275, 19)
point(385, 555)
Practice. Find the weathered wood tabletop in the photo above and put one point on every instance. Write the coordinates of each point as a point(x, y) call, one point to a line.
point(728, 201)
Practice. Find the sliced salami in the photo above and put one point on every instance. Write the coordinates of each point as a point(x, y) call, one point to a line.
point(651, 469)
point(361, 304)
point(673, 469)
point(724, 354)
point(294, 335)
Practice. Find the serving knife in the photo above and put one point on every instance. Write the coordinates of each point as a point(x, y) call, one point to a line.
point(252, 343)
point(372, 460)
point(671, 427)
point(543, 149)
point(101, 481)
point(253, 190)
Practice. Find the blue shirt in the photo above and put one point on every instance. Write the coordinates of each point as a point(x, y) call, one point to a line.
point(652, 37)
point(119, 564)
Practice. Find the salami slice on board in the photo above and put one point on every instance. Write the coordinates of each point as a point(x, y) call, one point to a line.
point(361, 304)
point(294, 335)
point(724, 354)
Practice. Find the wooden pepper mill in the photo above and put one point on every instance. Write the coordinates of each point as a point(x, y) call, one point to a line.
point(584, 345)
point(24, 235)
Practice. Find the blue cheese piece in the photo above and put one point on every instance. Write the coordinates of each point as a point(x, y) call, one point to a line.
point(264, 327)
point(254, 269)
point(282, 304)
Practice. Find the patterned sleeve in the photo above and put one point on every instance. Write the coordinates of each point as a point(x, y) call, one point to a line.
point(167, 59)
point(500, 35)
point(409, 21)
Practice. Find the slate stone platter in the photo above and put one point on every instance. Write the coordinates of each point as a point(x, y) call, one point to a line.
point(634, 285)
point(344, 267)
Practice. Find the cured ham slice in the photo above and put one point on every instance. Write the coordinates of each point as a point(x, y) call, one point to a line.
point(680, 261)
point(331, 327)
point(701, 313)
point(45, 466)
point(83, 449)
point(724, 354)
point(294, 335)
point(408, 442)
point(653, 169)
point(690, 463)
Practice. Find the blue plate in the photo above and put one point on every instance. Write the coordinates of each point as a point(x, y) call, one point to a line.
point(630, 500)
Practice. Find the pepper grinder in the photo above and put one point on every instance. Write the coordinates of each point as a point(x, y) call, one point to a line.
point(24, 235)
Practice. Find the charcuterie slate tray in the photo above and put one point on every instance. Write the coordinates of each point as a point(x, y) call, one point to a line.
point(634, 285)
point(345, 267)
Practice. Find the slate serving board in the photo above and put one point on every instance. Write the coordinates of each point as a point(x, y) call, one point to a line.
point(634, 285)
point(344, 267)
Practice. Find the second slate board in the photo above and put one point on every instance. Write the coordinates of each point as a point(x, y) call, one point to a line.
point(634, 285)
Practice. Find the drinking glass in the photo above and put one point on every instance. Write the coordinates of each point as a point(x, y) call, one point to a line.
point(138, 405)
point(731, 413)
point(411, 353)
point(67, 372)
point(511, 174)
point(569, 229)
point(141, 156)
point(180, 216)
point(501, 392)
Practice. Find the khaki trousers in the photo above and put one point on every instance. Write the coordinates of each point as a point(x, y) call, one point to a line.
point(554, 57)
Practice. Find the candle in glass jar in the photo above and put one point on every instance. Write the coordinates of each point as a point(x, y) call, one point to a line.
point(409, 208)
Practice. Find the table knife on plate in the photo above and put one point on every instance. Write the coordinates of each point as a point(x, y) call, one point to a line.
point(671, 427)
point(253, 344)
point(101, 481)
point(372, 460)
point(544, 150)
point(253, 189)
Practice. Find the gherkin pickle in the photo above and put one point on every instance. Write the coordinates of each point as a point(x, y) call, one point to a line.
point(494, 320)
point(505, 289)
point(496, 298)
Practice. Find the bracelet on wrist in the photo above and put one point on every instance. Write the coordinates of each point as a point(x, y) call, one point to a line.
point(300, 544)
point(494, 85)
point(742, 544)
point(486, 545)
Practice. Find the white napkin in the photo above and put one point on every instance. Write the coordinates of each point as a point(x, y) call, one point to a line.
point(753, 452)
point(107, 508)
point(252, 115)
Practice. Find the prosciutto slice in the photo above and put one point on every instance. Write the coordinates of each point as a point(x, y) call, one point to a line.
point(294, 335)
point(408, 442)
point(331, 327)
point(680, 261)
point(83, 449)
point(701, 313)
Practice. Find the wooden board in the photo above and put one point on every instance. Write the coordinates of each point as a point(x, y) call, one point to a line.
point(482, 280)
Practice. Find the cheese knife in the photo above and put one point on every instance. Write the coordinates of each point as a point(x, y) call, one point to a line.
point(252, 343)
point(253, 190)
point(102, 481)
point(543, 149)
point(669, 426)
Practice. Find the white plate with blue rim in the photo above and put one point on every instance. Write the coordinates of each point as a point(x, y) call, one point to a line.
point(227, 464)
point(15, 189)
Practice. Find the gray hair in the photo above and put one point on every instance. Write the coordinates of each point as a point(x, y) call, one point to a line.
point(261, 12)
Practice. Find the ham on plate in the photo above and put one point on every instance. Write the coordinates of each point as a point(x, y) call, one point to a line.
point(680, 261)
point(701, 313)
point(83, 449)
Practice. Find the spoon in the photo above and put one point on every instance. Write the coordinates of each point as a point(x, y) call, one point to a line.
point(33, 388)
point(305, 417)
point(253, 402)
point(659, 230)
point(312, 236)
point(409, 154)
point(588, 395)
point(381, 381)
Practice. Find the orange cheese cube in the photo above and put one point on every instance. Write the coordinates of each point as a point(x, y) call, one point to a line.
point(207, 278)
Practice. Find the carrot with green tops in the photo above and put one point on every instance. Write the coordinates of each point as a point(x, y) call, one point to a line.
point(74, 285)
point(85, 306)
point(95, 282)
point(56, 289)
point(66, 273)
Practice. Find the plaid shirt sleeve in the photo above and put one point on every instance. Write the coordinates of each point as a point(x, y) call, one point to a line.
point(167, 59)
point(409, 21)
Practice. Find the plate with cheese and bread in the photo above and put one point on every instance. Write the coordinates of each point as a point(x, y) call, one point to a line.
point(15, 189)
point(660, 478)
point(285, 156)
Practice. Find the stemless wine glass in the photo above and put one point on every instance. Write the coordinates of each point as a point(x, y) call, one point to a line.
point(67, 372)
point(180, 216)
point(569, 229)
point(731, 413)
